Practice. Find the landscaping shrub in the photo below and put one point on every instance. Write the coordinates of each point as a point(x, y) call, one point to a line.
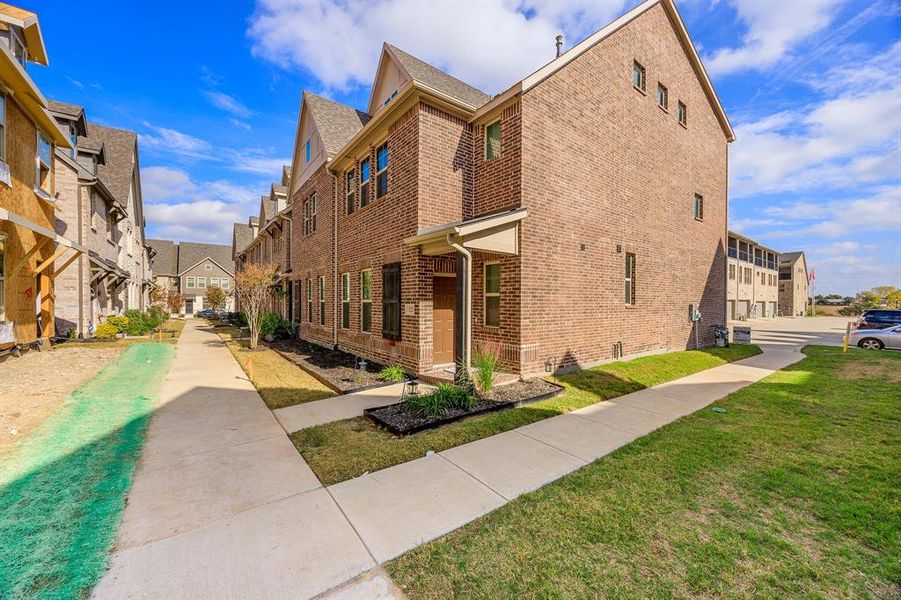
point(155, 317)
point(136, 325)
point(285, 329)
point(393, 373)
point(485, 362)
point(445, 397)
point(119, 322)
point(238, 319)
point(106, 331)
point(269, 324)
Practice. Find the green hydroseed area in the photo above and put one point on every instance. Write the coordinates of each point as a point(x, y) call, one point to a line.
point(62, 490)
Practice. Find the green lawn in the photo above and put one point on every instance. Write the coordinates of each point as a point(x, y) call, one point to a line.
point(279, 382)
point(172, 329)
point(344, 449)
point(62, 489)
point(793, 492)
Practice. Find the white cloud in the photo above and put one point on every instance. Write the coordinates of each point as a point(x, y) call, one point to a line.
point(169, 140)
point(163, 183)
point(840, 218)
point(774, 27)
point(241, 124)
point(229, 104)
point(503, 40)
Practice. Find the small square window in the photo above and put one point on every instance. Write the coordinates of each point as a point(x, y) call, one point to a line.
point(683, 113)
point(208, 267)
point(638, 76)
point(662, 96)
point(493, 140)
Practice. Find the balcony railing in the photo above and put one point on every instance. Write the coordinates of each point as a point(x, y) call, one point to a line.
point(733, 253)
point(743, 255)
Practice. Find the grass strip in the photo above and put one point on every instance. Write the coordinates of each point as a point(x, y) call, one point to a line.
point(345, 449)
point(62, 489)
point(793, 492)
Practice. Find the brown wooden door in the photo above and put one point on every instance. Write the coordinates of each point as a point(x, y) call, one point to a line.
point(443, 304)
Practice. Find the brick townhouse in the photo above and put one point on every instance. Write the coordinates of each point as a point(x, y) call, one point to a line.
point(101, 207)
point(752, 272)
point(571, 219)
point(32, 253)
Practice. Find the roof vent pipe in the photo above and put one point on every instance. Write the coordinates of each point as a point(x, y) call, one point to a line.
point(559, 45)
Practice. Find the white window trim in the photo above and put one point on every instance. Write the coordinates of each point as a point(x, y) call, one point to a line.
point(201, 283)
point(500, 140)
point(697, 207)
point(208, 267)
point(486, 294)
point(665, 96)
point(191, 282)
point(364, 301)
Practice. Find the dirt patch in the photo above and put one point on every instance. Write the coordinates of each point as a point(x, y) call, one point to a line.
point(883, 368)
point(338, 370)
point(36, 384)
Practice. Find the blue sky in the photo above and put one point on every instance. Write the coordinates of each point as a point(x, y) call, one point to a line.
point(811, 87)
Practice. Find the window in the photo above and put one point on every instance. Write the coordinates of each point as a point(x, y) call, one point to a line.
point(381, 170)
point(214, 282)
point(391, 301)
point(683, 113)
point(295, 301)
point(307, 150)
point(18, 49)
point(732, 272)
point(349, 189)
point(191, 283)
point(630, 279)
point(208, 267)
point(638, 76)
point(321, 300)
point(699, 207)
point(493, 140)
point(310, 207)
point(201, 282)
point(2, 277)
point(366, 300)
point(110, 225)
point(492, 294)
point(345, 300)
point(43, 163)
point(310, 300)
point(2, 127)
point(224, 282)
point(365, 167)
point(662, 96)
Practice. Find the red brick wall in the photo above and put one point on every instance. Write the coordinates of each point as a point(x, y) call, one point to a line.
point(498, 182)
point(603, 167)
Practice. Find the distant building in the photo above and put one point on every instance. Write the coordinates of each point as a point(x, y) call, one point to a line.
point(751, 279)
point(189, 268)
point(793, 284)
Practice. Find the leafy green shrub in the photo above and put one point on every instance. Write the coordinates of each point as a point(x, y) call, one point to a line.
point(445, 397)
point(852, 310)
point(154, 317)
point(485, 362)
point(285, 329)
point(238, 319)
point(106, 331)
point(392, 373)
point(269, 324)
point(136, 325)
point(120, 323)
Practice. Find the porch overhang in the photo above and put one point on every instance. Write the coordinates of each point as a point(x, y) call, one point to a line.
point(497, 233)
point(63, 245)
point(6, 215)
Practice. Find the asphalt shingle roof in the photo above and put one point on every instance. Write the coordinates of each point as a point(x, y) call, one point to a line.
point(120, 147)
point(242, 235)
point(336, 123)
point(789, 256)
point(70, 110)
point(165, 261)
point(267, 210)
point(424, 72)
point(191, 253)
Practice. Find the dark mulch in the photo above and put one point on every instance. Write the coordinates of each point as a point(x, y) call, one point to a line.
point(397, 419)
point(334, 368)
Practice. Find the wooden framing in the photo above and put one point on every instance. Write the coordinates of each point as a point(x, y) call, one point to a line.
point(27, 257)
point(60, 250)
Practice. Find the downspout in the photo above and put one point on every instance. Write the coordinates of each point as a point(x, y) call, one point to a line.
point(467, 301)
point(335, 258)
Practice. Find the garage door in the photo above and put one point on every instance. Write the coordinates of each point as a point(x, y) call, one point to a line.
point(772, 312)
point(761, 309)
point(741, 309)
point(730, 310)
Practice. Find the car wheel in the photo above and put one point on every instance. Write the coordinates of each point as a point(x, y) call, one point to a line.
point(870, 344)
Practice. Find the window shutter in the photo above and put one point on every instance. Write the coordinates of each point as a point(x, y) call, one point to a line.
point(391, 301)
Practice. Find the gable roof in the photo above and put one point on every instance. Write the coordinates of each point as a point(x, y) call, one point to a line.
point(242, 235)
point(120, 148)
point(286, 175)
point(436, 79)
point(165, 261)
point(681, 32)
point(28, 21)
point(192, 253)
point(790, 256)
point(335, 122)
point(268, 209)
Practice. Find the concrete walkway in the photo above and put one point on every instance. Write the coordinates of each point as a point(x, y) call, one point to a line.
point(223, 506)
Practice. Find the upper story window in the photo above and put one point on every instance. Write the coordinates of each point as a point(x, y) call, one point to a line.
point(638, 76)
point(18, 49)
point(2, 127)
point(350, 184)
point(683, 113)
point(365, 167)
point(43, 164)
point(662, 96)
point(224, 283)
point(381, 170)
point(201, 282)
point(389, 98)
point(307, 150)
point(208, 267)
point(310, 208)
point(190, 283)
point(73, 139)
point(699, 207)
point(493, 140)
point(214, 282)
point(630, 279)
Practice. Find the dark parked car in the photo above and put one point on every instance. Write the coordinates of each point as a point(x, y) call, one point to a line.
point(879, 319)
point(207, 313)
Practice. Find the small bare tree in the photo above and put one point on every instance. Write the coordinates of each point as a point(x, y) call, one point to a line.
point(253, 288)
point(175, 301)
point(159, 297)
point(215, 298)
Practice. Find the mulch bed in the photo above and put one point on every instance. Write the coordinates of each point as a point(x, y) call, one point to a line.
point(334, 368)
point(400, 421)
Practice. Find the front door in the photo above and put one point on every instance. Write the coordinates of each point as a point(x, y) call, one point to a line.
point(443, 304)
point(189, 307)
